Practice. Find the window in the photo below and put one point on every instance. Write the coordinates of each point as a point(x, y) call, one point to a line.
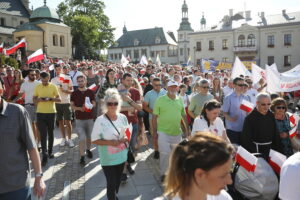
point(120, 56)
point(2, 21)
point(116, 56)
point(271, 41)
point(157, 40)
point(211, 45)
point(225, 59)
point(181, 51)
point(270, 60)
point(163, 53)
point(198, 46)
point(251, 40)
point(225, 44)
point(128, 53)
point(62, 41)
point(287, 60)
point(111, 56)
point(172, 51)
point(21, 22)
point(188, 51)
point(287, 39)
point(180, 36)
point(241, 41)
point(136, 42)
point(152, 54)
point(144, 52)
point(55, 40)
point(198, 62)
point(136, 54)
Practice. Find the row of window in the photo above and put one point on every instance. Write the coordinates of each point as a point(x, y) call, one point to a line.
point(287, 40)
point(3, 21)
point(136, 42)
point(61, 40)
point(211, 45)
point(286, 60)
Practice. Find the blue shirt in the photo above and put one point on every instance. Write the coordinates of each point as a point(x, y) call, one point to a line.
point(151, 97)
point(231, 105)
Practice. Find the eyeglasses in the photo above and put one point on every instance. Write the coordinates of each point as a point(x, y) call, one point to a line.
point(112, 103)
point(240, 85)
point(265, 104)
point(205, 87)
point(280, 107)
point(157, 85)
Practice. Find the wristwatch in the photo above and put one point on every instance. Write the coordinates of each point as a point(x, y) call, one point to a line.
point(39, 175)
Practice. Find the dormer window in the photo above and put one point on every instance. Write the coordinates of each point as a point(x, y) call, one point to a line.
point(136, 42)
point(157, 40)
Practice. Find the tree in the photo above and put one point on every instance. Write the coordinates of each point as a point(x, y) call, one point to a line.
point(90, 27)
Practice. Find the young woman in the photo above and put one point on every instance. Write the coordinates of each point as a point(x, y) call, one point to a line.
point(199, 169)
point(210, 121)
point(109, 134)
point(216, 90)
point(17, 82)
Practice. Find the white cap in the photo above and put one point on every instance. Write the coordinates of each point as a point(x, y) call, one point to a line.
point(172, 83)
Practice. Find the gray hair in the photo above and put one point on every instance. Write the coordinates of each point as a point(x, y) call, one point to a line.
point(261, 96)
point(112, 94)
point(203, 82)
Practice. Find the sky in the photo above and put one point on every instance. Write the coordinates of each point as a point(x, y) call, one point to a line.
point(142, 14)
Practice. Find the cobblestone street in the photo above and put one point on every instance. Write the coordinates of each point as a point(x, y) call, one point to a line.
point(66, 179)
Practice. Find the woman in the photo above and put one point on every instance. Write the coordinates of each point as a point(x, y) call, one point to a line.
point(279, 107)
point(209, 120)
point(109, 134)
point(17, 82)
point(216, 90)
point(187, 82)
point(202, 166)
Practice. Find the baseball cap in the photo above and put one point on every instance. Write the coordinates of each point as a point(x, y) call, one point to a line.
point(172, 83)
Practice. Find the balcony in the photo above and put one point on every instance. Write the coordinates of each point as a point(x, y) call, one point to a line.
point(238, 49)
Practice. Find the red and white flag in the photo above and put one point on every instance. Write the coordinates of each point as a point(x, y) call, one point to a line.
point(247, 106)
point(246, 159)
point(276, 160)
point(36, 56)
point(64, 79)
point(294, 120)
point(88, 105)
point(21, 43)
point(128, 132)
point(93, 87)
point(1, 48)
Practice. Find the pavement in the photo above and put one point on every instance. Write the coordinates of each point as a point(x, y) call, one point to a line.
point(67, 179)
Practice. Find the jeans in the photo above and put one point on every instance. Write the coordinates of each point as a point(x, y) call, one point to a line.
point(133, 139)
point(113, 178)
point(21, 194)
point(45, 123)
point(234, 137)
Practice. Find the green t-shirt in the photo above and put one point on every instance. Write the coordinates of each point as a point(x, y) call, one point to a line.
point(198, 101)
point(169, 114)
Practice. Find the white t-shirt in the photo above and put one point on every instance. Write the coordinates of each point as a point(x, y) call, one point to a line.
point(200, 124)
point(185, 99)
point(28, 88)
point(252, 94)
point(222, 196)
point(289, 185)
point(65, 98)
point(74, 75)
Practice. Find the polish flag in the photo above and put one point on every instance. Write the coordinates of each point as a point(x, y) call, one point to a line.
point(88, 105)
point(128, 132)
point(143, 71)
point(51, 67)
point(246, 106)
point(64, 79)
point(36, 56)
point(141, 81)
point(276, 160)
point(294, 120)
point(1, 48)
point(21, 43)
point(246, 159)
point(93, 87)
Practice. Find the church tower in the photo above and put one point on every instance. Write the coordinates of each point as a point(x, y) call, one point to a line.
point(183, 38)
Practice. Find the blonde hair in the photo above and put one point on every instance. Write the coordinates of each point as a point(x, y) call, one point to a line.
point(112, 93)
point(204, 150)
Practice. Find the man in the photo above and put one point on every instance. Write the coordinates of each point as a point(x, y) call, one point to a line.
point(84, 119)
point(25, 70)
point(64, 114)
point(198, 100)
point(260, 133)
point(16, 143)
point(234, 116)
point(148, 106)
point(228, 89)
point(167, 115)
point(27, 89)
point(8, 81)
point(251, 92)
point(74, 73)
point(45, 96)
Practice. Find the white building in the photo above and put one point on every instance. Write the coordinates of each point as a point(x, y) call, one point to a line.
point(266, 39)
point(148, 42)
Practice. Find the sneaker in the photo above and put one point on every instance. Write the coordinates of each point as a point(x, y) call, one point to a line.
point(130, 170)
point(89, 154)
point(82, 161)
point(123, 178)
point(63, 142)
point(51, 155)
point(71, 143)
point(44, 161)
point(156, 155)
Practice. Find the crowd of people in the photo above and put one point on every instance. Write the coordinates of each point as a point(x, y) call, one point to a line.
point(112, 107)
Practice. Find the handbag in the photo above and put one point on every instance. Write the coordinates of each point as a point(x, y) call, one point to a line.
point(130, 156)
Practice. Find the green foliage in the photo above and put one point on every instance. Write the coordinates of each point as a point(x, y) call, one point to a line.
point(9, 61)
point(90, 27)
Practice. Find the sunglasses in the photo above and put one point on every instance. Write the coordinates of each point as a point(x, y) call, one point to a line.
point(265, 104)
point(280, 107)
point(112, 103)
point(240, 85)
point(205, 87)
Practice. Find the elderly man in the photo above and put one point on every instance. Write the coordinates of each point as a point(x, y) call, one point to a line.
point(260, 133)
point(16, 143)
point(167, 114)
